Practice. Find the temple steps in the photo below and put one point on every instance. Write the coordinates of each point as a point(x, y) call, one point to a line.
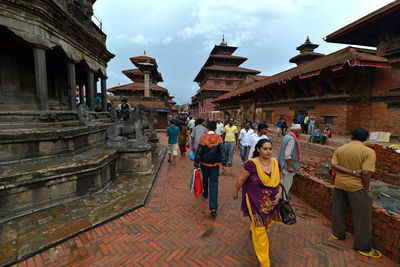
point(40, 184)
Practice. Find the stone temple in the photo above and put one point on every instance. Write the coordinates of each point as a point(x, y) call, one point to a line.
point(53, 151)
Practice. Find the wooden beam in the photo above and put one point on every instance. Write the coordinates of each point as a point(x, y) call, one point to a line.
point(315, 86)
point(299, 84)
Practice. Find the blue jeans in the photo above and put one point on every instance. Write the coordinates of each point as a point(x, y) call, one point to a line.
point(229, 149)
point(311, 129)
point(243, 151)
point(211, 173)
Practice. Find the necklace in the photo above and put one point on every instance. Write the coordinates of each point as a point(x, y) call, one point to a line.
point(266, 165)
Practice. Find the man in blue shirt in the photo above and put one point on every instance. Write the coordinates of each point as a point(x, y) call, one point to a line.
point(172, 133)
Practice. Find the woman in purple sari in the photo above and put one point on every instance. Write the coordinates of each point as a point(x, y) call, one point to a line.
point(261, 192)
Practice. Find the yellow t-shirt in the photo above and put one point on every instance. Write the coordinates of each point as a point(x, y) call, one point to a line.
point(354, 156)
point(230, 133)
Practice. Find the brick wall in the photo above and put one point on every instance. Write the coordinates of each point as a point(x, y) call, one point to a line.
point(385, 227)
point(387, 165)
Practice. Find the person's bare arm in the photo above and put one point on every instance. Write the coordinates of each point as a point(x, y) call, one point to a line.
point(366, 179)
point(279, 195)
point(236, 137)
point(346, 170)
point(240, 181)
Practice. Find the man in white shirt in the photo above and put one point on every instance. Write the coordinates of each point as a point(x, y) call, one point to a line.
point(191, 124)
point(220, 128)
point(261, 134)
point(244, 140)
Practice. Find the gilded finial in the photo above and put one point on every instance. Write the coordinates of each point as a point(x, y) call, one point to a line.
point(144, 53)
point(308, 40)
point(223, 40)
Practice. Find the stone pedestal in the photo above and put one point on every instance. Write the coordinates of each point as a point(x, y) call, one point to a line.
point(154, 141)
point(135, 160)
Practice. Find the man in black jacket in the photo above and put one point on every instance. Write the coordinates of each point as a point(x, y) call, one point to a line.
point(210, 155)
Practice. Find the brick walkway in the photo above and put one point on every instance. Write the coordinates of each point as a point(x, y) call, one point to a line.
point(175, 229)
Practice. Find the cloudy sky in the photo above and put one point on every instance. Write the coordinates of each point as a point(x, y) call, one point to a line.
point(180, 34)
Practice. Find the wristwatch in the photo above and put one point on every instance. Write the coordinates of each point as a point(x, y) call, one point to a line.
point(354, 172)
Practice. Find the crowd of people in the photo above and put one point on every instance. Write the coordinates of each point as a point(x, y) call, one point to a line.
point(263, 177)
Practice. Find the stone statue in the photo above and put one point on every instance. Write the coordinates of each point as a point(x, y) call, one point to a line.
point(141, 118)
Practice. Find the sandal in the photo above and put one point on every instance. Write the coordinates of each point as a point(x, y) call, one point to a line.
point(347, 235)
point(373, 253)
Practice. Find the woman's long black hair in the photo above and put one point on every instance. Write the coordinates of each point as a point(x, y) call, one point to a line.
point(259, 144)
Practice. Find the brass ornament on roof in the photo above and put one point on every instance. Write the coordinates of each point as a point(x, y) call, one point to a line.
point(223, 40)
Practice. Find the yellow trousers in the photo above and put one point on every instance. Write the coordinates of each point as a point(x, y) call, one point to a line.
point(260, 239)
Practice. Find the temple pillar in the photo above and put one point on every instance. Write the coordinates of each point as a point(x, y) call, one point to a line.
point(81, 95)
point(104, 93)
point(71, 85)
point(39, 55)
point(90, 90)
point(146, 84)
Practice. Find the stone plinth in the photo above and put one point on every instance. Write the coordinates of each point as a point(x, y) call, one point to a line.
point(135, 160)
point(33, 186)
point(154, 141)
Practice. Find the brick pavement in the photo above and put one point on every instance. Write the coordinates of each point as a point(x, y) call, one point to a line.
point(175, 229)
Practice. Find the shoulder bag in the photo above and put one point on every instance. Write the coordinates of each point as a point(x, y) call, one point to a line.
point(286, 211)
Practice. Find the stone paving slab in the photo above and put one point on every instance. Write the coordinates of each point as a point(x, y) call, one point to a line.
point(175, 229)
point(28, 235)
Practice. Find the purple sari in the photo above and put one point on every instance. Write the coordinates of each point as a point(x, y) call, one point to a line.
point(260, 198)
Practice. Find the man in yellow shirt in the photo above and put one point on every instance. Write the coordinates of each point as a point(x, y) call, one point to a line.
point(230, 136)
point(354, 164)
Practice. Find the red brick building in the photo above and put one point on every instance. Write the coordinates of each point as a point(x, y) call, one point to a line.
point(348, 88)
point(220, 74)
point(158, 99)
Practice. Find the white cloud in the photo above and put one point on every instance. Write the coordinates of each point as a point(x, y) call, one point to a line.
point(166, 40)
point(121, 36)
point(141, 39)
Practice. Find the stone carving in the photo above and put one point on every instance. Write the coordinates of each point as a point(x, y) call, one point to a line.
point(48, 116)
point(131, 133)
point(113, 114)
point(83, 114)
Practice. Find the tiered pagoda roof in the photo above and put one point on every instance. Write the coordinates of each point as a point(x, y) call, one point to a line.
point(306, 53)
point(137, 77)
point(221, 60)
point(136, 86)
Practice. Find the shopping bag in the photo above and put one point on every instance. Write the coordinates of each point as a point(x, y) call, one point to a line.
point(333, 176)
point(191, 155)
point(192, 181)
point(198, 185)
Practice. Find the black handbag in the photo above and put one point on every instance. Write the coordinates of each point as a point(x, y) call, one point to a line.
point(287, 214)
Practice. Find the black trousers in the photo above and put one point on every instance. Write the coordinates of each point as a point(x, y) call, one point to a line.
point(361, 206)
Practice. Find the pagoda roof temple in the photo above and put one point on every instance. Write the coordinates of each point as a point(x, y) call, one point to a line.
point(306, 53)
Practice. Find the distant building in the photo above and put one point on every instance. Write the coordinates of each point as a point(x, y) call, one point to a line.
point(352, 87)
point(154, 97)
point(220, 74)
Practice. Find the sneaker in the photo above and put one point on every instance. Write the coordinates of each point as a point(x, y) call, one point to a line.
point(213, 213)
point(372, 253)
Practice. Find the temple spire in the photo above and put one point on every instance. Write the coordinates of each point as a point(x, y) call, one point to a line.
point(223, 40)
point(306, 53)
point(144, 53)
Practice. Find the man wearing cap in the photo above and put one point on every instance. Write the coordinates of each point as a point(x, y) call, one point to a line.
point(289, 155)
